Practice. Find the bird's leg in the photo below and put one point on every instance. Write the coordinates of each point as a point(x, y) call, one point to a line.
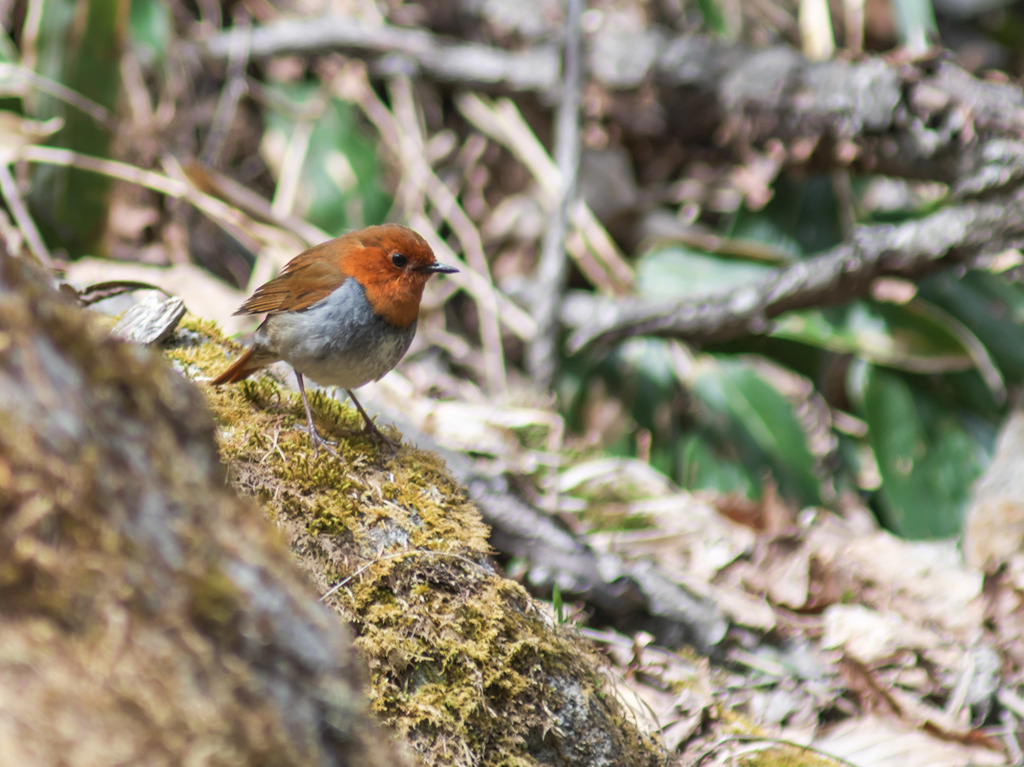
point(314, 435)
point(370, 427)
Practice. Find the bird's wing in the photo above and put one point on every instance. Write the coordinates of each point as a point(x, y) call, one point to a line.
point(306, 279)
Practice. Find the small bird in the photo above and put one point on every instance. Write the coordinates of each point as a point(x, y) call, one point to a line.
point(343, 313)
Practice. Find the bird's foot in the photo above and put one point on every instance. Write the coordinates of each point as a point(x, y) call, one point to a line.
point(319, 441)
point(380, 437)
point(370, 427)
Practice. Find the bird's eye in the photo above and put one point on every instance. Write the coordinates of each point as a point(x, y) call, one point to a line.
point(399, 260)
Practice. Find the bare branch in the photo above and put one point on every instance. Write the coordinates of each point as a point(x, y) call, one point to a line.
point(922, 120)
point(533, 69)
point(553, 268)
point(955, 235)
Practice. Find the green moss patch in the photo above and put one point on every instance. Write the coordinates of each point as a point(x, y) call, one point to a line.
point(463, 662)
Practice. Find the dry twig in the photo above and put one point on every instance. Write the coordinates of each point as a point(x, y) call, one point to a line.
point(553, 267)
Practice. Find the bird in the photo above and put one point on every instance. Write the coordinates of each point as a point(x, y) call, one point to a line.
point(342, 313)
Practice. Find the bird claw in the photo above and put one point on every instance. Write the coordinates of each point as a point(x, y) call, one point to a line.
point(378, 436)
point(319, 441)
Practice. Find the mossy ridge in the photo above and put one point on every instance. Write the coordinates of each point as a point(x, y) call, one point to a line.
point(129, 624)
point(472, 664)
point(463, 663)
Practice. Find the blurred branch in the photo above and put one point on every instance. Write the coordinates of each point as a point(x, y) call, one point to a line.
point(927, 119)
point(14, 72)
point(957, 235)
point(231, 219)
point(922, 120)
point(553, 267)
point(231, 95)
point(533, 69)
point(595, 252)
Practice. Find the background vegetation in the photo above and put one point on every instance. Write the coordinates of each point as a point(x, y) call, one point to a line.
point(642, 198)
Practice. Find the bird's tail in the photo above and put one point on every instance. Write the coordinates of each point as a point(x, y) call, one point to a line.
point(242, 368)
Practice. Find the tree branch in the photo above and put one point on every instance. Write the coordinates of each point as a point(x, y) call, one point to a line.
point(920, 120)
point(532, 69)
point(954, 235)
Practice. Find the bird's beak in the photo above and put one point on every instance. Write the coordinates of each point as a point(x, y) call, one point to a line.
point(436, 268)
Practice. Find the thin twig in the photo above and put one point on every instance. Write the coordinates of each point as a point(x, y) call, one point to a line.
point(15, 203)
point(594, 251)
point(97, 112)
point(230, 218)
point(446, 203)
point(231, 94)
point(293, 164)
point(352, 85)
point(553, 269)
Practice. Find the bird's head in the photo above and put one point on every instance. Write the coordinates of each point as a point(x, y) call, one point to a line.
point(393, 264)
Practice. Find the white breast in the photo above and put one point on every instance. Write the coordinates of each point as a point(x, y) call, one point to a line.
point(338, 341)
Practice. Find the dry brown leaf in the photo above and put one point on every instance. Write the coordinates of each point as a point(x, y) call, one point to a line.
point(872, 741)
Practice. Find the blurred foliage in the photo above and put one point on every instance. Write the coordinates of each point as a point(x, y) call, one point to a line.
point(896, 397)
point(79, 45)
point(915, 20)
point(339, 181)
point(151, 30)
point(921, 371)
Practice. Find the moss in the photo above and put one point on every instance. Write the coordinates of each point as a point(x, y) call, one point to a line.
point(787, 756)
point(462, 661)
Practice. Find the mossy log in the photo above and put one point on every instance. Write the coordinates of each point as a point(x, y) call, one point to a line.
point(148, 615)
point(464, 664)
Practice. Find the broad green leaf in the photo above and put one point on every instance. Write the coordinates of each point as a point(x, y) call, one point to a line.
point(639, 374)
point(702, 467)
point(927, 459)
point(762, 425)
point(713, 17)
point(79, 46)
point(801, 218)
point(915, 336)
point(339, 187)
point(991, 307)
point(681, 272)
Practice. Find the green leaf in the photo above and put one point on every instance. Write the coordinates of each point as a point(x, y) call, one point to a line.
point(79, 46)
point(151, 28)
point(800, 219)
point(703, 467)
point(8, 50)
point(556, 603)
point(680, 272)
point(339, 187)
point(762, 425)
point(915, 336)
point(713, 17)
point(927, 459)
point(991, 307)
